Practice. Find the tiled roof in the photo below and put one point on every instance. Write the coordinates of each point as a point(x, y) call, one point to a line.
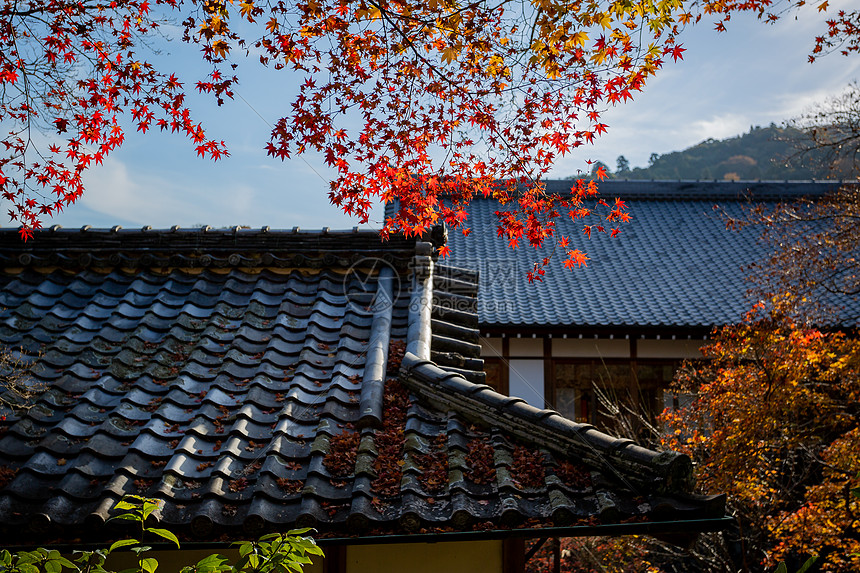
point(249, 379)
point(674, 266)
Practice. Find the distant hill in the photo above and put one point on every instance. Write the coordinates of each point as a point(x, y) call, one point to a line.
point(763, 153)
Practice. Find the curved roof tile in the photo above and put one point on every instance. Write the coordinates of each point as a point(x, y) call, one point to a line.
point(241, 380)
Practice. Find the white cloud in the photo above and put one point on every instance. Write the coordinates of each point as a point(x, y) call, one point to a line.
point(754, 74)
point(117, 191)
point(718, 127)
point(131, 192)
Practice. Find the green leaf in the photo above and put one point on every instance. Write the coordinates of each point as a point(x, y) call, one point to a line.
point(149, 506)
point(164, 533)
point(809, 563)
point(276, 558)
point(246, 549)
point(302, 531)
point(149, 565)
point(90, 558)
point(122, 504)
point(271, 536)
point(126, 517)
point(122, 543)
point(28, 557)
point(214, 561)
point(142, 549)
point(66, 563)
point(210, 561)
point(51, 566)
point(781, 568)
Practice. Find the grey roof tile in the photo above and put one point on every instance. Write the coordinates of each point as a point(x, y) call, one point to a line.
point(221, 393)
point(15, 447)
point(107, 445)
point(675, 265)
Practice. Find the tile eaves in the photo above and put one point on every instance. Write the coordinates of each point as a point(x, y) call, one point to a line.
point(245, 401)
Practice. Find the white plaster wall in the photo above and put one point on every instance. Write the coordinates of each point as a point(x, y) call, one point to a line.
point(650, 348)
point(590, 348)
point(531, 347)
point(525, 380)
point(491, 347)
point(446, 557)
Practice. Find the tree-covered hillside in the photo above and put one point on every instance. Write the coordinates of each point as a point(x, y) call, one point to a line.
point(763, 153)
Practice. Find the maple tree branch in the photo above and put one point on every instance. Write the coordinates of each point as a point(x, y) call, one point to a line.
point(438, 73)
point(410, 44)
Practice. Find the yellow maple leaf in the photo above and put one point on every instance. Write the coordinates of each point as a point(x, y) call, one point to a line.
point(449, 54)
point(578, 39)
point(246, 8)
point(603, 19)
point(221, 48)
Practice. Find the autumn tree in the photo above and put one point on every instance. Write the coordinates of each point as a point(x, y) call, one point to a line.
point(410, 99)
point(626, 554)
point(775, 426)
point(775, 422)
point(814, 248)
point(830, 134)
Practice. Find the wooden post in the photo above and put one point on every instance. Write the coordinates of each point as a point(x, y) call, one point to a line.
point(335, 559)
point(505, 382)
point(548, 375)
point(514, 555)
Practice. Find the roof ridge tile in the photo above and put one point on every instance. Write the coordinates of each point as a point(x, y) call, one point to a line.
point(669, 471)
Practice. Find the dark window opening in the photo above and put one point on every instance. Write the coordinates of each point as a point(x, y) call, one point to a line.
point(497, 374)
point(600, 392)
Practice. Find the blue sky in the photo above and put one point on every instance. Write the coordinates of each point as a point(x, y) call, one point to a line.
point(753, 74)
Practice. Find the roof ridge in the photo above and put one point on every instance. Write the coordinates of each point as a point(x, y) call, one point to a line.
point(670, 472)
point(376, 356)
point(201, 248)
point(685, 190)
point(207, 229)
